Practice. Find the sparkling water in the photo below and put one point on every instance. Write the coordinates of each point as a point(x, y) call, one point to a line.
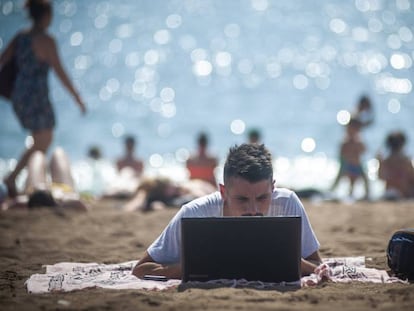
point(163, 70)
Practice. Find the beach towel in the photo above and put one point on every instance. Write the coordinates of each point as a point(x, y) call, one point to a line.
point(346, 270)
point(70, 276)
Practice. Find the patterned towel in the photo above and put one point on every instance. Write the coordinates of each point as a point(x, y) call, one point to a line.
point(345, 270)
point(70, 276)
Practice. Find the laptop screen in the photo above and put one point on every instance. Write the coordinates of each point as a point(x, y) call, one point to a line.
point(264, 249)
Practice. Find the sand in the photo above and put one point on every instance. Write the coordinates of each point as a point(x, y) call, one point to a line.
point(30, 239)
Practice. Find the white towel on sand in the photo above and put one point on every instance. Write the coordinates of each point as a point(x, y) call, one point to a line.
point(70, 276)
point(345, 270)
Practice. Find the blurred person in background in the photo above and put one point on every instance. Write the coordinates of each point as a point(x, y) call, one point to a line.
point(396, 169)
point(254, 136)
point(48, 184)
point(129, 159)
point(364, 112)
point(351, 150)
point(35, 52)
point(201, 165)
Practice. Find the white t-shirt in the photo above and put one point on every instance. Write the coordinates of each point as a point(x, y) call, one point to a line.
point(167, 247)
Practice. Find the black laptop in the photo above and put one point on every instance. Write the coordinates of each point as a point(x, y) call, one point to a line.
point(254, 248)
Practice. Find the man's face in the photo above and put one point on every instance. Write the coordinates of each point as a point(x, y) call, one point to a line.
point(242, 198)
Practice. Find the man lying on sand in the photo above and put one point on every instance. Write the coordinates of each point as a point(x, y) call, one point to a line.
point(39, 192)
point(248, 189)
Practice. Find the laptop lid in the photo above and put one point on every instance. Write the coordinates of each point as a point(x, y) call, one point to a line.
point(264, 249)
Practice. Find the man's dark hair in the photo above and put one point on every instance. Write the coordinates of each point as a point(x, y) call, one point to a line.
point(252, 162)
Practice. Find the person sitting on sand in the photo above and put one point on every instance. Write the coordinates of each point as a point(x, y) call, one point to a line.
point(39, 192)
point(129, 160)
point(248, 190)
point(202, 165)
point(351, 151)
point(161, 192)
point(396, 169)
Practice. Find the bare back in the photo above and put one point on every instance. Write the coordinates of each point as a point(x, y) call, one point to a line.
point(43, 47)
point(398, 173)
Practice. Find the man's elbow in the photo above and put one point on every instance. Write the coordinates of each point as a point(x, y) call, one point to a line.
point(315, 258)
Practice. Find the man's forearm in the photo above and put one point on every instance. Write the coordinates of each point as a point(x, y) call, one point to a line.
point(169, 271)
point(307, 267)
point(309, 264)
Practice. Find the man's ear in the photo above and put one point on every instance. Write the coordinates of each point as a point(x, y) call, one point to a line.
point(273, 184)
point(222, 191)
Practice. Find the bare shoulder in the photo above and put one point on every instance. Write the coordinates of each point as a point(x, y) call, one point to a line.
point(44, 48)
point(213, 160)
point(22, 32)
point(47, 39)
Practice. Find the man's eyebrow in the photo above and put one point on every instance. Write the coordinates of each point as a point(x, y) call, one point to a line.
point(240, 196)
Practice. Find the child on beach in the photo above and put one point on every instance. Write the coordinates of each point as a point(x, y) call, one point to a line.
point(351, 151)
point(396, 169)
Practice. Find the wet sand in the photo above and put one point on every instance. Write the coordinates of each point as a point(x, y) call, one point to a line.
point(30, 239)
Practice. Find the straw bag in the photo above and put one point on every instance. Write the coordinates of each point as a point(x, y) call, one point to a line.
point(400, 253)
point(8, 75)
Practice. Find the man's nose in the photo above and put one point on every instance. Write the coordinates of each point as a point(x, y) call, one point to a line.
point(253, 207)
point(253, 210)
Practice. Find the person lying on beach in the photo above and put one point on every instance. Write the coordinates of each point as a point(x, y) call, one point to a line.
point(396, 169)
point(154, 193)
point(39, 192)
point(248, 190)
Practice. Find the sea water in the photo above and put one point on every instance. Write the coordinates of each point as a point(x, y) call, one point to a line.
point(164, 70)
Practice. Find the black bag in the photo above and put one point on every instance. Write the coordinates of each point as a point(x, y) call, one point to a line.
point(400, 253)
point(8, 75)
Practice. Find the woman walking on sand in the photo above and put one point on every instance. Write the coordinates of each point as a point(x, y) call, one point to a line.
point(35, 51)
